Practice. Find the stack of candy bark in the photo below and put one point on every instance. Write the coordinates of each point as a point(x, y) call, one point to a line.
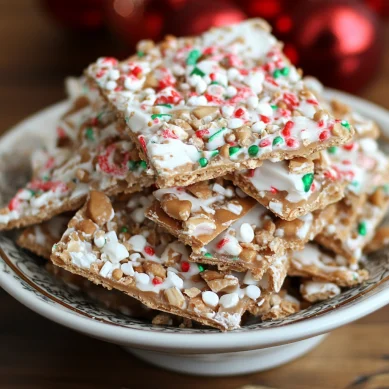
point(206, 178)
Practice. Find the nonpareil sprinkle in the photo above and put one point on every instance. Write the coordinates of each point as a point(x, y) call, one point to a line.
point(203, 162)
point(362, 228)
point(253, 150)
point(307, 181)
point(124, 229)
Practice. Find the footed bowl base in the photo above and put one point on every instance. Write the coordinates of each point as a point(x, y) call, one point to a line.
point(227, 364)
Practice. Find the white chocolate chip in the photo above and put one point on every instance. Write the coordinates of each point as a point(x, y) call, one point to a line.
point(138, 242)
point(229, 300)
point(253, 292)
point(105, 270)
point(127, 269)
point(210, 298)
point(142, 278)
point(175, 280)
point(246, 233)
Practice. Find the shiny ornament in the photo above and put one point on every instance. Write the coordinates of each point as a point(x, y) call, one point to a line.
point(197, 16)
point(133, 20)
point(338, 41)
point(76, 14)
point(381, 7)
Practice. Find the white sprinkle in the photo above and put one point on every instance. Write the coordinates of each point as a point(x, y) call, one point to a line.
point(252, 102)
point(138, 242)
point(142, 278)
point(229, 300)
point(127, 269)
point(175, 279)
point(134, 257)
point(114, 74)
point(235, 123)
point(264, 109)
point(253, 292)
point(201, 87)
point(105, 270)
point(111, 85)
point(210, 298)
point(246, 233)
point(138, 215)
point(227, 110)
point(231, 91)
point(115, 251)
point(258, 127)
point(99, 241)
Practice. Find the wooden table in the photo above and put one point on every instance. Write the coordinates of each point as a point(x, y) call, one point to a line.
point(37, 353)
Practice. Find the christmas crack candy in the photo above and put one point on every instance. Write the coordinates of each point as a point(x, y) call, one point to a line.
point(114, 245)
point(227, 228)
point(291, 189)
point(62, 177)
point(203, 106)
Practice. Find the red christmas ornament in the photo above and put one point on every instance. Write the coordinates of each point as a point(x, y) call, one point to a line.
point(196, 16)
point(338, 41)
point(381, 7)
point(133, 20)
point(79, 14)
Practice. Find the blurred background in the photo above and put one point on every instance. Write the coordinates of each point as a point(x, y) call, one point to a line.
point(342, 42)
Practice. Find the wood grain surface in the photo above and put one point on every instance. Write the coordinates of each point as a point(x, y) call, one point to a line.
point(35, 57)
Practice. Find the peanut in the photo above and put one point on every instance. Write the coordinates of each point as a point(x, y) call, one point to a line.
point(201, 112)
point(175, 297)
point(87, 226)
point(201, 190)
point(248, 255)
point(243, 136)
point(117, 274)
point(224, 151)
point(378, 197)
point(99, 208)
point(151, 81)
point(340, 109)
point(154, 268)
point(175, 208)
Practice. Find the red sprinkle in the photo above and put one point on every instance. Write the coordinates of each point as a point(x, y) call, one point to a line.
point(169, 134)
point(136, 71)
point(212, 76)
point(143, 143)
point(239, 112)
point(156, 281)
point(313, 187)
point(251, 172)
point(320, 123)
point(202, 133)
point(313, 102)
point(100, 73)
point(349, 147)
point(264, 119)
point(13, 204)
point(346, 162)
point(149, 250)
point(185, 266)
point(324, 135)
point(273, 190)
point(61, 132)
point(110, 60)
point(286, 130)
point(291, 142)
point(264, 143)
point(222, 243)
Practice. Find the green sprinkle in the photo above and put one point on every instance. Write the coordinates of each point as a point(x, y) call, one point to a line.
point(214, 153)
point(235, 258)
point(193, 57)
point(99, 116)
point(277, 140)
point(216, 134)
point(355, 183)
point(345, 124)
point(285, 71)
point(233, 150)
point(201, 268)
point(215, 83)
point(277, 73)
point(274, 106)
point(32, 192)
point(253, 150)
point(207, 255)
point(362, 228)
point(198, 72)
point(124, 229)
point(46, 178)
point(165, 105)
point(355, 277)
point(140, 54)
point(89, 133)
point(143, 164)
point(54, 247)
point(160, 115)
point(203, 162)
point(332, 149)
point(307, 181)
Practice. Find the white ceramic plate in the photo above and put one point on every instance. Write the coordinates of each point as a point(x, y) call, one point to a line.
point(204, 351)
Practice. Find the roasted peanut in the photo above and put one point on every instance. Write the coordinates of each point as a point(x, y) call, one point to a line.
point(175, 297)
point(117, 274)
point(175, 208)
point(99, 208)
point(378, 197)
point(86, 226)
point(154, 268)
point(201, 112)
